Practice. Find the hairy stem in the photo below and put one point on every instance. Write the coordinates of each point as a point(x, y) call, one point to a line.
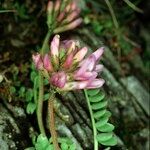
point(52, 122)
point(93, 121)
point(41, 87)
point(40, 105)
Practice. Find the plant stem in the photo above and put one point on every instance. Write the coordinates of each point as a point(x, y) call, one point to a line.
point(45, 43)
point(40, 105)
point(134, 7)
point(112, 14)
point(93, 121)
point(52, 122)
point(41, 87)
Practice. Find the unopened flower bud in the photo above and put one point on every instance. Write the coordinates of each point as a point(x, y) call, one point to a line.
point(50, 7)
point(80, 54)
point(72, 16)
point(57, 5)
point(69, 26)
point(37, 61)
point(69, 61)
point(98, 53)
point(55, 48)
point(47, 63)
point(59, 79)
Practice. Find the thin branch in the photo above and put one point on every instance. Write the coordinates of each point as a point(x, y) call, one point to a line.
point(135, 8)
point(112, 14)
point(52, 122)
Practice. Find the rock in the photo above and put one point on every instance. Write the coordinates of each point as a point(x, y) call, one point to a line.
point(138, 91)
point(66, 132)
point(12, 137)
point(81, 135)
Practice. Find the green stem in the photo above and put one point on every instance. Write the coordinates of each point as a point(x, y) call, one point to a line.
point(45, 43)
point(93, 121)
point(112, 14)
point(40, 105)
point(41, 87)
point(130, 4)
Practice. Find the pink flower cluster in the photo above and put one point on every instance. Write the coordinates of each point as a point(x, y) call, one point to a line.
point(63, 15)
point(67, 69)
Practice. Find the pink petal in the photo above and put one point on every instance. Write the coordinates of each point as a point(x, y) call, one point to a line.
point(99, 68)
point(69, 26)
point(97, 83)
point(68, 62)
point(46, 62)
point(86, 76)
point(72, 47)
point(50, 7)
point(59, 79)
point(72, 16)
point(75, 85)
point(80, 54)
point(98, 53)
point(86, 65)
point(61, 16)
point(37, 61)
point(66, 44)
point(73, 6)
point(57, 5)
point(68, 7)
point(55, 48)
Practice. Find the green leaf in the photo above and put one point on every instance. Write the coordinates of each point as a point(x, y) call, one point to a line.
point(97, 98)
point(12, 89)
point(65, 140)
point(106, 128)
point(33, 75)
point(42, 143)
point(99, 113)
point(72, 147)
point(62, 53)
point(111, 142)
point(31, 108)
point(29, 95)
point(99, 105)
point(50, 147)
point(64, 146)
point(101, 137)
point(46, 96)
point(36, 82)
point(93, 92)
point(46, 82)
point(22, 91)
point(103, 120)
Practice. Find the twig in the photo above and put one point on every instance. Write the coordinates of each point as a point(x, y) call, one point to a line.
point(130, 4)
point(112, 14)
point(52, 122)
point(6, 11)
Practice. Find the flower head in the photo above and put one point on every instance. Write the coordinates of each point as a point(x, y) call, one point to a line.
point(62, 15)
point(66, 67)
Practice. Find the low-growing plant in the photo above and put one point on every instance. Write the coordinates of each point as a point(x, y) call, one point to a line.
point(63, 67)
